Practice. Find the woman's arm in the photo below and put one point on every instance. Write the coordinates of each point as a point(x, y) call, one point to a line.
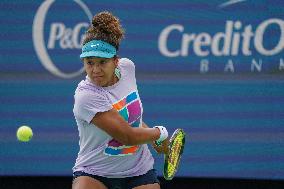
point(113, 124)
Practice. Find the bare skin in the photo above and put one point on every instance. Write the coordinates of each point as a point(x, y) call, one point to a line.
point(148, 186)
point(85, 182)
point(101, 70)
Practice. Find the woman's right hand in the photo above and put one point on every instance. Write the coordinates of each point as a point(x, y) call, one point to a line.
point(163, 148)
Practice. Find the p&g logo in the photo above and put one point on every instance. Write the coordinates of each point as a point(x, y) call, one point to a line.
point(60, 37)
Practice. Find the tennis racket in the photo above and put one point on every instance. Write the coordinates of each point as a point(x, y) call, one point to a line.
point(172, 158)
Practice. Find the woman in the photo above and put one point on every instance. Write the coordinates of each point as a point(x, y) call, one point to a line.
point(108, 111)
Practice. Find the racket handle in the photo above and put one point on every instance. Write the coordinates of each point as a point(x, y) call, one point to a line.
point(163, 135)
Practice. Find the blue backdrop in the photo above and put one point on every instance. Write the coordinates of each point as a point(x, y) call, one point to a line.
point(214, 68)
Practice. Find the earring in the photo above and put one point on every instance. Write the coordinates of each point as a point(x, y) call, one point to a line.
point(117, 73)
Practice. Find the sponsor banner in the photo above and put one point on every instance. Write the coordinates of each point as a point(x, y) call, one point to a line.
point(163, 36)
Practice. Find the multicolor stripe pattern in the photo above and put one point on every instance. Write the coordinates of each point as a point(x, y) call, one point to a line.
point(130, 108)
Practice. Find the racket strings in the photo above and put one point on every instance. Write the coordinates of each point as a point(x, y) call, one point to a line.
point(174, 155)
point(172, 159)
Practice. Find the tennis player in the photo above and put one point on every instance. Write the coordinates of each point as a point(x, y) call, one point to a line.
point(108, 111)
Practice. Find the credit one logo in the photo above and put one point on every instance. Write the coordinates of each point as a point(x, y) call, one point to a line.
point(235, 40)
point(61, 35)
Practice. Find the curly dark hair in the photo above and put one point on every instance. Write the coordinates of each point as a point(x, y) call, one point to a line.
point(106, 27)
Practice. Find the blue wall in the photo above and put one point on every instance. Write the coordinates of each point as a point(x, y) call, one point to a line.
point(210, 67)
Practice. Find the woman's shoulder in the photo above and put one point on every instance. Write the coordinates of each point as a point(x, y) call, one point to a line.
point(88, 100)
point(126, 62)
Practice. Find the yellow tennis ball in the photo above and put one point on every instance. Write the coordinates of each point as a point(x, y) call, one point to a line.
point(24, 133)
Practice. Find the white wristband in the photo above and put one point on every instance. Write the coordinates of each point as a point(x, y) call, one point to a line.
point(163, 134)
